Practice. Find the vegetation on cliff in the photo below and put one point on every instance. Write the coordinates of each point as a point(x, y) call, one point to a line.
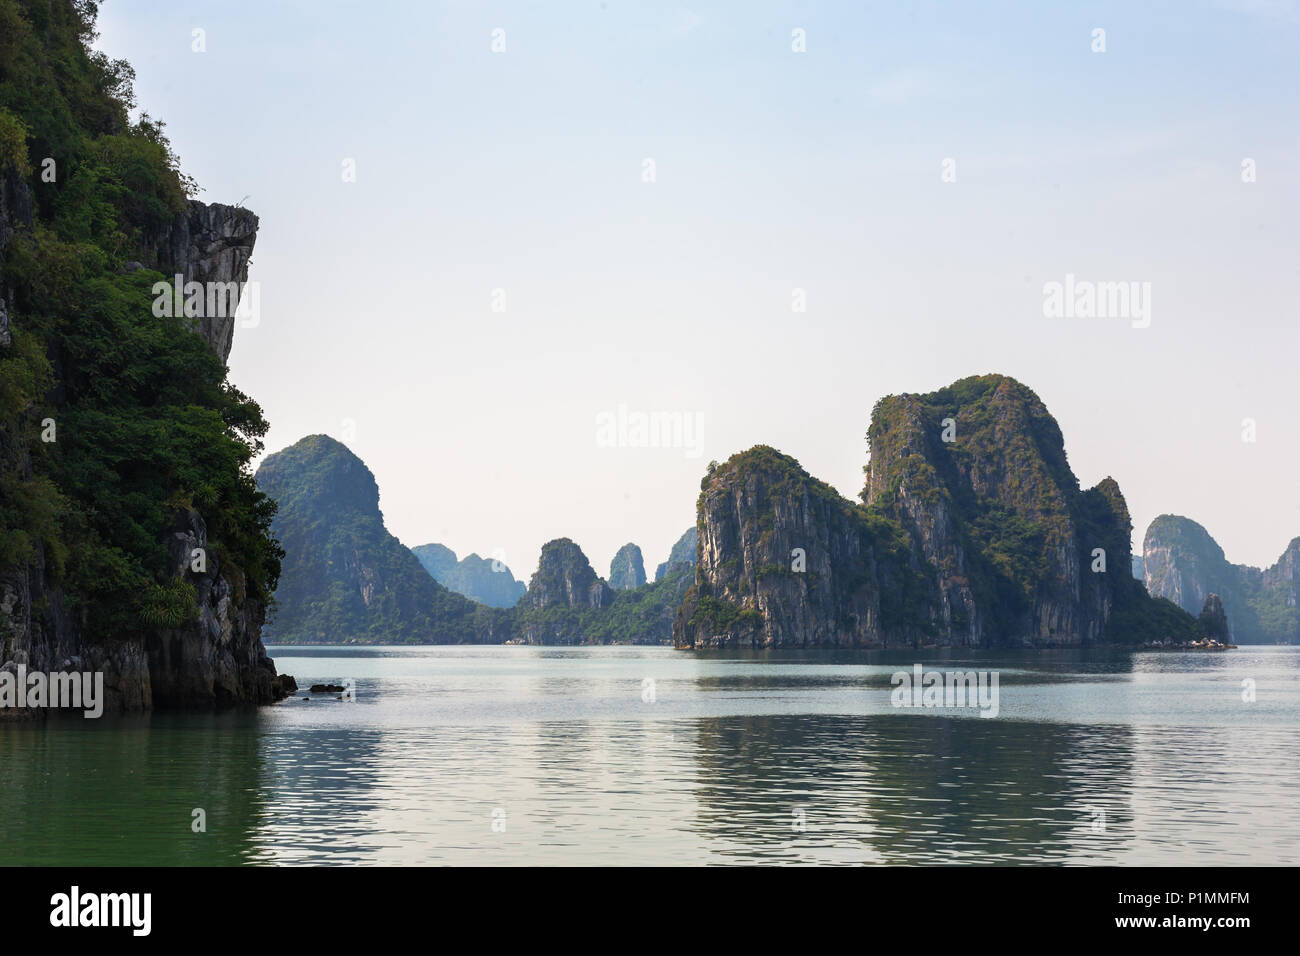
point(681, 555)
point(985, 459)
point(345, 577)
point(627, 569)
point(972, 529)
point(830, 570)
point(1183, 562)
point(484, 580)
point(640, 615)
point(112, 420)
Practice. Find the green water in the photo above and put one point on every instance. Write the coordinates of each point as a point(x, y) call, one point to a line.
point(490, 755)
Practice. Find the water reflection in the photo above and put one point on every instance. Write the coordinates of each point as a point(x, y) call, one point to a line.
point(518, 756)
point(910, 789)
point(91, 793)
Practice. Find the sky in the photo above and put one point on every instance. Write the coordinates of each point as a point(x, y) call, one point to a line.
point(567, 215)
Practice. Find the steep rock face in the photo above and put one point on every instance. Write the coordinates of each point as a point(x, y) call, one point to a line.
point(973, 531)
point(484, 580)
point(1213, 621)
point(344, 577)
point(1275, 603)
point(210, 242)
point(568, 604)
point(37, 629)
point(438, 560)
point(1183, 563)
point(217, 658)
point(784, 561)
point(976, 475)
point(488, 582)
point(627, 570)
point(561, 594)
point(565, 578)
point(79, 345)
point(681, 556)
point(220, 657)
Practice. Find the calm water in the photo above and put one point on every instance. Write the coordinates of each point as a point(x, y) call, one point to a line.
point(1095, 757)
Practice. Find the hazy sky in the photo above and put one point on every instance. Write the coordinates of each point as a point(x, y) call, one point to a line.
point(774, 170)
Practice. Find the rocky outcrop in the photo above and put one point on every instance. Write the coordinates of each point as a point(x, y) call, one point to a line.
point(345, 578)
point(210, 243)
point(1213, 621)
point(627, 570)
point(972, 531)
point(217, 657)
point(38, 629)
point(1183, 563)
point(119, 174)
point(784, 561)
point(977, 477)
point(487, 581)
point(565, 578)
point(564, 594)
point(438, 560)
point(567, 603)
point(681, 556)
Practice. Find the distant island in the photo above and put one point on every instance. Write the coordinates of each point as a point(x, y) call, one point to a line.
point(481, 580)
point(345, 578)
point(971, 531)
point(1182, 562)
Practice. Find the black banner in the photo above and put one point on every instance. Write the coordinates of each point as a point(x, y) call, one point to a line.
point(352, 905)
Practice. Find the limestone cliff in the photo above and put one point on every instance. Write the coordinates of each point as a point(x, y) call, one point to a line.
point(132, 540)
point(487, 581)
point(1182, 562)
point(215, 657)
point(568, 604)
point(210, 243)
point(972, 531)
point(1214, 621)
point(681, 556)
point(345, 578)
point(627, 569)
point(565, 578)
point(785, 561)
point(563, 582)
point(976, 475)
